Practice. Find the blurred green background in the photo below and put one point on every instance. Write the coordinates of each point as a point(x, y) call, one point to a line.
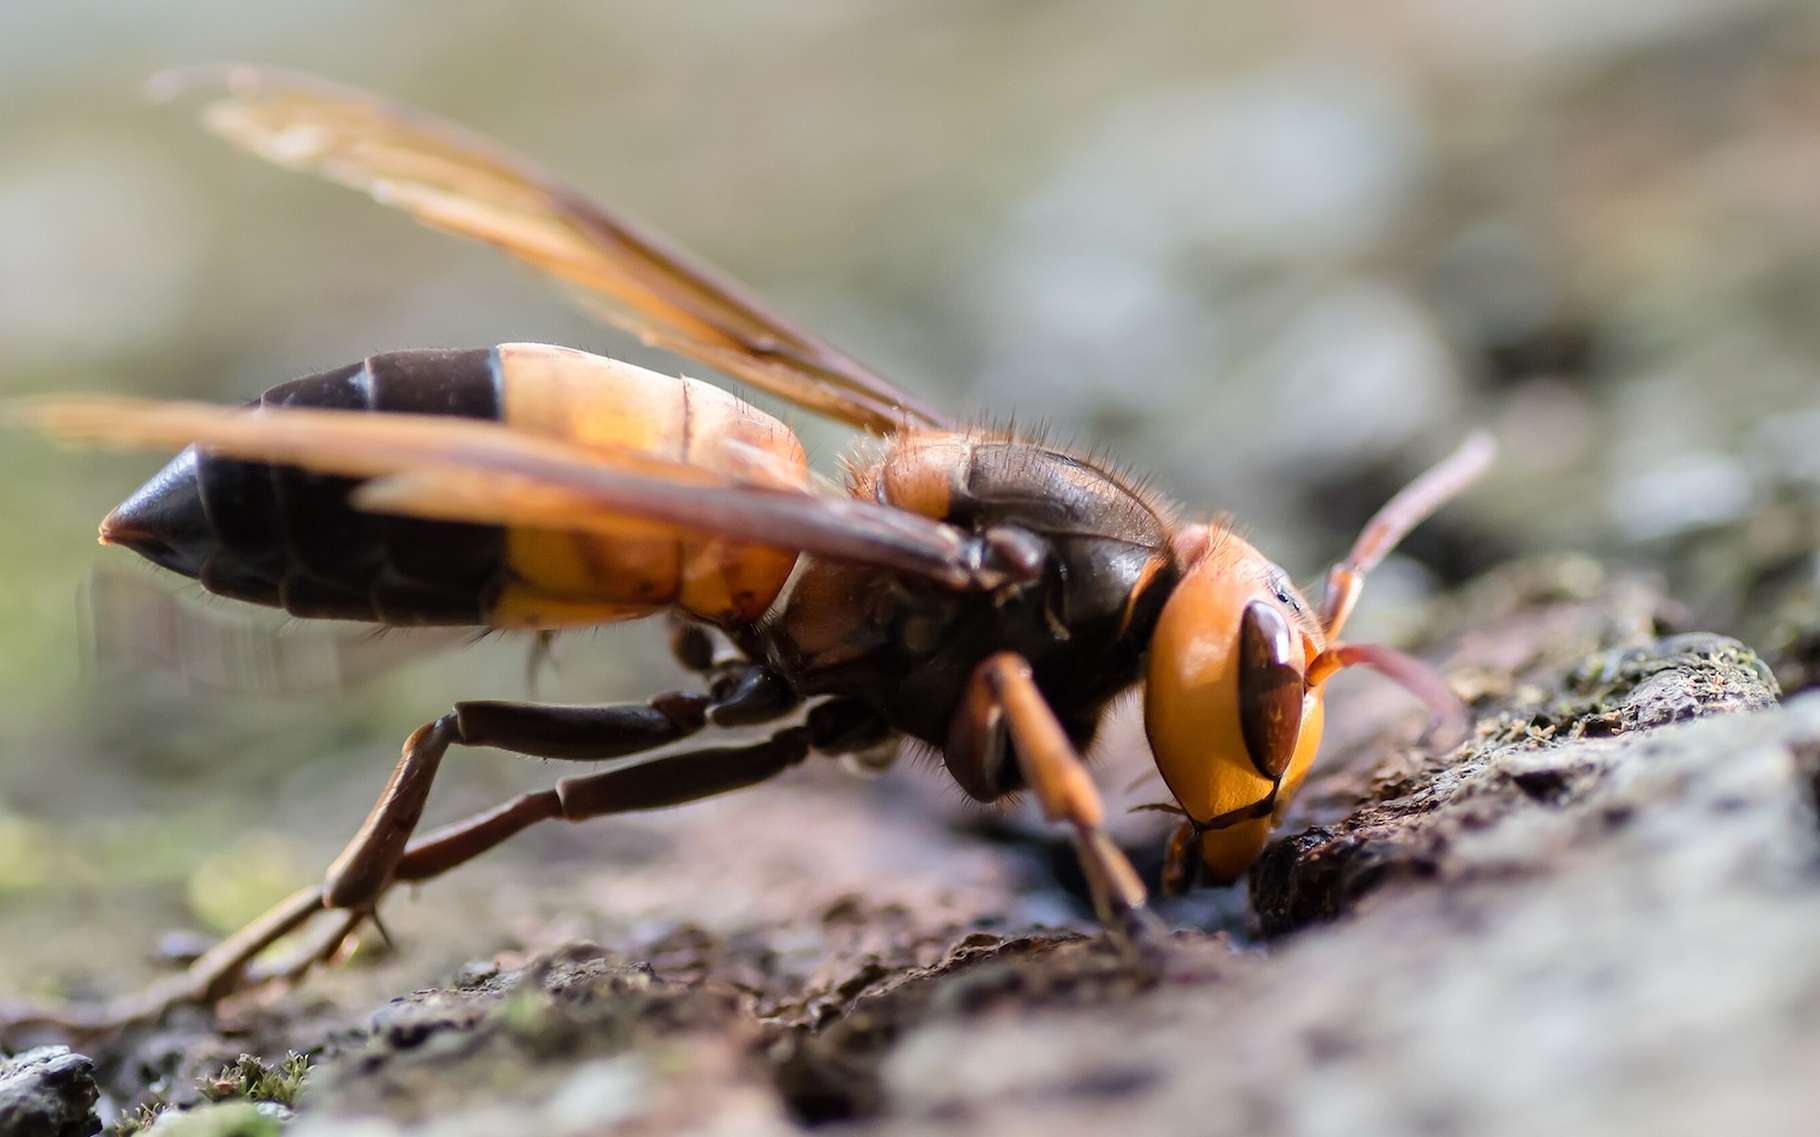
point(1278, 256)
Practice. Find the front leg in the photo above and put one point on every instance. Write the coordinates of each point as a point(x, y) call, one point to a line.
point(1002, 698)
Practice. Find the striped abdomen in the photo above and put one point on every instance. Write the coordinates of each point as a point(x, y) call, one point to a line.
point(287, 538)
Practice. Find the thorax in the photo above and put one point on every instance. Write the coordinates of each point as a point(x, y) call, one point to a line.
point(908, 646)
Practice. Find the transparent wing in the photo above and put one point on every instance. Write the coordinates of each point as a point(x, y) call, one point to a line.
point(135, 627)
point(453, 180)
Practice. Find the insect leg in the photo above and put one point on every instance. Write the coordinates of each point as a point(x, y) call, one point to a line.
point(741, 695)
point(691, 644)
point(323, 946)
point(360, 873)
point(667, 780)
point(671, 779)
point(1002, 698)
point(1181, 865)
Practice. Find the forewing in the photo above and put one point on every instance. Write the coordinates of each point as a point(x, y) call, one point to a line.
point(454, 469)
point(453, 180)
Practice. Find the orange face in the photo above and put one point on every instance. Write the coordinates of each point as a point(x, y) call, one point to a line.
point(1225, 704)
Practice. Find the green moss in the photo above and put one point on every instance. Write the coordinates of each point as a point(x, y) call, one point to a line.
point(249, 1079)
point(241, 1097)
point(1610, 692)
point(141, 1119)
point(1605, 683)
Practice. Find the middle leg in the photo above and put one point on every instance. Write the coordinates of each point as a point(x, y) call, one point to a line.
point(1002, 697)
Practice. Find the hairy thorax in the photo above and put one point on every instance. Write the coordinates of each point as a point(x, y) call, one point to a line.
point(908, 646)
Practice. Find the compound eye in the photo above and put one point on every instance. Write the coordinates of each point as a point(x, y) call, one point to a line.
point(1270, 688)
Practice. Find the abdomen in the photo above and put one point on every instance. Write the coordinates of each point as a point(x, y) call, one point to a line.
point(287, 538)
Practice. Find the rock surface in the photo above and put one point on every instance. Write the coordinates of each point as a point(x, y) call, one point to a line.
point(1611, 935)
point(48, 1092)
point(1275, 275)
point(1595, 915)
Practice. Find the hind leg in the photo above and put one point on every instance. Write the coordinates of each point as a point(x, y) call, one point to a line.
point(372, 859)
point(669, 780)
point(743, 695)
